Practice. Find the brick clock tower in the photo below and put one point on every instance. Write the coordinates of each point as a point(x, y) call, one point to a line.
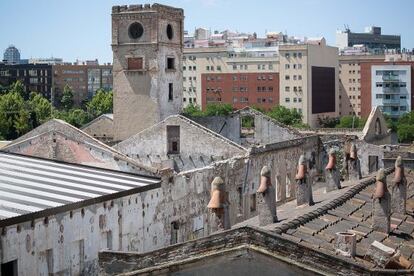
point(147, 45)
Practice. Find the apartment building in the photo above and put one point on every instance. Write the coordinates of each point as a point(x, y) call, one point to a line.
point(387, 84)
point(309, 79)
point(372, 38)
point(230, 75)
point(84, 80)
point(35, 77)
point(50, 80)
point(350, 82)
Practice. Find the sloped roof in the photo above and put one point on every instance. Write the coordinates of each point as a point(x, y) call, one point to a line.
point(26, 144)
point(108, 116)
point(352, 212)
point(29, 185)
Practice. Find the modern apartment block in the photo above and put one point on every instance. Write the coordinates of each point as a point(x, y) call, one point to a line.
point(391, 88)
point(387, 85)
point(236, 76)
point(35, 77)
point(350, 82)
point(84, 80)
point(241, 89)
point(309, 80)
point(372, 38)
point(50, 80)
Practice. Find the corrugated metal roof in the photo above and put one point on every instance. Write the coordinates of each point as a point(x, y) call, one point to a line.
point(30, 184)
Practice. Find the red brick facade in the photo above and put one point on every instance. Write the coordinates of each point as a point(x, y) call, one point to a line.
point(240, 89)
point(366, 84)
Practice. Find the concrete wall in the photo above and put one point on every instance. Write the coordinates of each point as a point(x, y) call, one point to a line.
point(266, 130)
point(142, 222)
point(68, 242)
point(102, 128)
point(198, 146)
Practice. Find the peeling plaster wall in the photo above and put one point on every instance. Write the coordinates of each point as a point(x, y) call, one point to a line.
point(198, 146)
point(127, 224)
point(102, 129)
point(142, 222)
point(266, 130)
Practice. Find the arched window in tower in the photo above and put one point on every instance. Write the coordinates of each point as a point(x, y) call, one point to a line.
point(135, 30)
point(377, 127)
point(170, 32)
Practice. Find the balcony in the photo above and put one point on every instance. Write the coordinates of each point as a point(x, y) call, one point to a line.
point(390, 78)
point(391, 90)
point(391, 102)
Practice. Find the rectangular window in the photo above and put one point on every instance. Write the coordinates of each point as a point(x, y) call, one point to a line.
point(170, 63)
point(219, 68)
point(287, 66)
point(287, 88)
point(287, 100)
point(135, 63)
point(234, 67)
point(173, 139)
point(287, 77)
point(170, 92)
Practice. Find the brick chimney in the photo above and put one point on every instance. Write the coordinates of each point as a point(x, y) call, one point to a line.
point(266, 198)
point(381, 205)
point(332, 177)
point(219, 206)
point(399, 188)
point(304, 184)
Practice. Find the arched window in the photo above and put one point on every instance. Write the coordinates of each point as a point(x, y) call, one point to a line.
point(377, 127)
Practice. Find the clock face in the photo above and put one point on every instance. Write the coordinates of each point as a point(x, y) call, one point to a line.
point(170, 32)
point(135, 30)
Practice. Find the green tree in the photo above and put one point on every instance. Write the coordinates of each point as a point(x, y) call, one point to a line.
point(285, 115)
point(351, 122)
point(67, 98)
point(13, 116)
point(40, 107)
point(405, 127)
point(101, 103)
point(192, 110)
point(18, 88)
point(218, 109)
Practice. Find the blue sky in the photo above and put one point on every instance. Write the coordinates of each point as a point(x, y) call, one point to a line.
point(82, 28)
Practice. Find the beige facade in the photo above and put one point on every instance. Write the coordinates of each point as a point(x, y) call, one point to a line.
point(296, 63)
point(199, 61)
point(147, 69)
point(350, 83)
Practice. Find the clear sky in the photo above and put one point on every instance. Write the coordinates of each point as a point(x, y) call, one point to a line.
point(81, 29)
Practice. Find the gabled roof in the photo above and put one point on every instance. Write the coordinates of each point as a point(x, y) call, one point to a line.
point(248, 110)
point(190, 123)
point(75, 142)
point(107, 116)
point(32, 185)
point(140, 146)
point(376, 126)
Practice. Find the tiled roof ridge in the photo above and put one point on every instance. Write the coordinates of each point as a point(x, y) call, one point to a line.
point(295, 223)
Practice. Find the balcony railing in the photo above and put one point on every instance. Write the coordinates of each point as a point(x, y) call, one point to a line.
point(390, 78)
point(391, 90)
point(391, 102)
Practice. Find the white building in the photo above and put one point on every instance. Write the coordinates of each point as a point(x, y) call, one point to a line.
point(391, 88)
